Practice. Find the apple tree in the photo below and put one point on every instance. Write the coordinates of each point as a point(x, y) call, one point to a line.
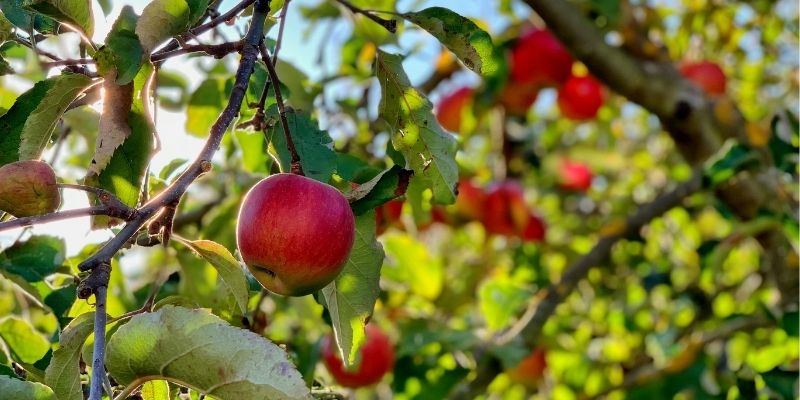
point(258, 199)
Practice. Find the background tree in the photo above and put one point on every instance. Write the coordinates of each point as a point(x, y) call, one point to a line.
point(557, 199)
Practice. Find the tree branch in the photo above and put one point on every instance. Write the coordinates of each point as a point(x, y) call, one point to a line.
point(389, 24)
point(214, 50)
point(691, 119)
point(273, 77)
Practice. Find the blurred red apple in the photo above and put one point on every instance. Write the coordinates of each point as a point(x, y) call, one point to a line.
point(574, 176)
point(531, 369)
point(452, 107)
point(376, 359)
point(387, 215)
point(294, 233)
point(517, 98)
point(539, 58)
point(470, 200)
point(707, 75)
point(534, 230)
point(505, 212)
point(580, 98)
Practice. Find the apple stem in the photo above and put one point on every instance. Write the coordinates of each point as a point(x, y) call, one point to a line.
point(296, 166)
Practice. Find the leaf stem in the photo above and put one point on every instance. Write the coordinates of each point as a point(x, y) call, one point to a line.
point(389, 24)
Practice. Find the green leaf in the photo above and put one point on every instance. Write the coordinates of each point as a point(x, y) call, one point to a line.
point(60, 301)
point(16, 389)
point(790, 322)
point(162, 19)
point(354, 169)
point(35, 258)
point(5, 67)
point(20, 16)
point(63, 374)
point(114, 128)
point(124, 174)
point(314, 146)
point(25, 129)
point(180, 344)
point(351, 297)
point(254, 151)
point(414, 265)
point(77, 13)
point(471, 44)
point(155, 390)
point(429, 151)
point(387, 186)
point(205, 105)
point(229, 270)
point(730, 160)
point(26, 344)
point(6, 28)
point(501, 299)
point(122, 50)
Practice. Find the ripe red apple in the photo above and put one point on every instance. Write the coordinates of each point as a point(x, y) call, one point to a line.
point(534, 230)
point(376, 359)
point(294, 233)
point(28, 188)
point(505, 212)
point(470, 200)
point(539, 58)
point(531, 369)
point(706, 75)
point(574, 176)
point(452, 107)
point(580, 98)
point(517, 98)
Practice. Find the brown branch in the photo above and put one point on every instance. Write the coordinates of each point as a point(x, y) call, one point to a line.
point(214, 50)
point(389, 24)
point(281, 26)
point(60, 216)
point(273, 77)
point(60, 63)
point(690, 117)
point(202, 162)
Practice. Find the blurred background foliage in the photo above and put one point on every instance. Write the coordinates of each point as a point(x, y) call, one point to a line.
point(447, 284)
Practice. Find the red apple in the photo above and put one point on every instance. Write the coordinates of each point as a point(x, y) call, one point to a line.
point(539, 58)
point(470, 200)
point(517, 98)
point(706, 75)
point(531, 369)
point(575, 176)
point(505, 212)
point(534, 230)
point(376, 359)
point(294, 233)
point(580, 98)
point(452, 107)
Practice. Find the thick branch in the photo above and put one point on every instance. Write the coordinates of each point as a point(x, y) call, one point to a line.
point(202, 162)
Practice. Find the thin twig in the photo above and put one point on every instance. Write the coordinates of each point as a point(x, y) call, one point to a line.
point(62, 215)
point(389, 24)
point(273, 77)
point(32, 45)
point(282, 24)
point(61, 63)
point(214, 50)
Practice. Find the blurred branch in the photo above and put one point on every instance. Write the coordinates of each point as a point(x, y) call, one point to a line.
point(77, 61)
point(698, 125)
point(389, 24)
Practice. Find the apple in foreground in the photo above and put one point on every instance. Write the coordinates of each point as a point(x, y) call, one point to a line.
point(580, 98)
point(452, 107)
point(376, 359)
point(28, 188)
point(294, 233)
point(706, 75)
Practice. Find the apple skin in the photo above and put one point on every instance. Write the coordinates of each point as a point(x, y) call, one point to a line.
point(539, 58)
point(530, 370)
point(28, 188)
point(505, 212)
point(706, 75)
point(534, 230)
point(575, 176)
point(376, 359)
point(451, 107)
point(580, 98)
point(388, 214)
point(517, 98)
point(294, 233)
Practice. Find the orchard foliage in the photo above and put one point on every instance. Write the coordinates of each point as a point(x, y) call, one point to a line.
point(549, 199)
